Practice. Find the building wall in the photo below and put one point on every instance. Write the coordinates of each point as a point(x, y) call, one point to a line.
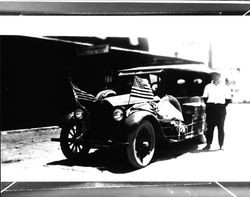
point(35, 88)
point(34, 91)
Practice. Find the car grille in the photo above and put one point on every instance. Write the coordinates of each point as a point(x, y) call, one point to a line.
point(102, 122)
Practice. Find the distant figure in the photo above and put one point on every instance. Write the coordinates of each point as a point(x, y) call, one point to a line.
point(216, 96)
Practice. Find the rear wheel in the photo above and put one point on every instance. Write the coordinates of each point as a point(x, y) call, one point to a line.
point(71, 141)
point(140, 150)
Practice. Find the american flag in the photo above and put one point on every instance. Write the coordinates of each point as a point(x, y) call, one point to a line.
point(81, 95)
point(141, 89)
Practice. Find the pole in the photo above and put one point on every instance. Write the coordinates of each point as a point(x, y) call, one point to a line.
point(210, 56)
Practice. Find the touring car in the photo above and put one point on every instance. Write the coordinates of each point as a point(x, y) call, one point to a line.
point(146, 106)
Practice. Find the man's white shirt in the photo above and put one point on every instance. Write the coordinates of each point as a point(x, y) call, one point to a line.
point(217, 93)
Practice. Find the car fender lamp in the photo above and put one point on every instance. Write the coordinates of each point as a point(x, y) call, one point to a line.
point(78, 114)
point(118, 114)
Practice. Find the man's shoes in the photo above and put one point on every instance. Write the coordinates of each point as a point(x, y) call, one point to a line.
point(221, 148)
point(207, 147)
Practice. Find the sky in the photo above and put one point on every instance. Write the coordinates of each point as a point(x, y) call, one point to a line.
point(190, 36)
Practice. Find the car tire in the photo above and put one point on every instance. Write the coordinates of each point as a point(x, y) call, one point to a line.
point(141, 147)
point(69, 141)
point(175, 102)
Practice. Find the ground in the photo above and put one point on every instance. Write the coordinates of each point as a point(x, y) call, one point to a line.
point(31, 156)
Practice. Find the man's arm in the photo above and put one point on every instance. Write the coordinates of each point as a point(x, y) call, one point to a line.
point(228, 97)
point(205, 99)
point(227, 102)
point(205, 94)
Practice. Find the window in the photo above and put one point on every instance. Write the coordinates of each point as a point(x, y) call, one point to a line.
point(181, 81)
point(197, 81)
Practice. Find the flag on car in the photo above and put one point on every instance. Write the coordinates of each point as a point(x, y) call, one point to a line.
point(141, 89)
point(81, 95)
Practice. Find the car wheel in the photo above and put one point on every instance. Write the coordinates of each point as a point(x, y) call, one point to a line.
point(71, 141)
point(141, 147)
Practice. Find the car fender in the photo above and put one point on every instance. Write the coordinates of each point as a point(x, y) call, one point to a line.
point(134, 119)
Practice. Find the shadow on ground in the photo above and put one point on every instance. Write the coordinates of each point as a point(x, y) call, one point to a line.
point(204, 151)
point(115, 160)
point(174, 150)
point(102, 159)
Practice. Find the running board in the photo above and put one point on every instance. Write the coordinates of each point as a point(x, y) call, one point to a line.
point(97, 143)
point(55, 139)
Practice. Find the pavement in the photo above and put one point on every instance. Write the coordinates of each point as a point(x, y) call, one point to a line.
point(142, 189)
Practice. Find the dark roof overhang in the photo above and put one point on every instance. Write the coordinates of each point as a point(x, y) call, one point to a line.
point(127, 57)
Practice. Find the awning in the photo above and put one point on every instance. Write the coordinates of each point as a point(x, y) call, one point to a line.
point(157, 69)
point(140, 57)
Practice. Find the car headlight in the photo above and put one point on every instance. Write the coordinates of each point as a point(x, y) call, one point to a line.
point(118, 114)
point(78, 113)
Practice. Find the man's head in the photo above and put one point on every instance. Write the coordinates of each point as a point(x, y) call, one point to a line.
point(216, 77)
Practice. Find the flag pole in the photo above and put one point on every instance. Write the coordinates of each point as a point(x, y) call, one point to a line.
point(72, 88)
point(129, 97)
point(131, 88)
point(130, 91)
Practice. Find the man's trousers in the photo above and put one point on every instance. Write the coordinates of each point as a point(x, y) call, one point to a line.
point(215, 116)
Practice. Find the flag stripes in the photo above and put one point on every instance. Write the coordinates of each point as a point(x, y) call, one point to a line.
point(141, 89)
point(82, 95)
point(141, 93)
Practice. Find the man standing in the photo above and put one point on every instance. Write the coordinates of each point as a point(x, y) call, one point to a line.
point(216, 96)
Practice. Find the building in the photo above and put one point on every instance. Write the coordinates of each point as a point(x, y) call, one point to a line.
point(35, 72)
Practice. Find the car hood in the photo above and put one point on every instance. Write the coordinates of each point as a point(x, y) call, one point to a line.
point(123, 99)
point(163, 108)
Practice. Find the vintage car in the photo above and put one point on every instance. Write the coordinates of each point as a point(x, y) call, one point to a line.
point(147, 105)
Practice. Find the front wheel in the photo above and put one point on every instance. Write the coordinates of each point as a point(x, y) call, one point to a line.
point(141, 147)
point(71, 141)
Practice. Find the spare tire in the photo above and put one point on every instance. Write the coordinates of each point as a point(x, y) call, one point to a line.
point(175, 102)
